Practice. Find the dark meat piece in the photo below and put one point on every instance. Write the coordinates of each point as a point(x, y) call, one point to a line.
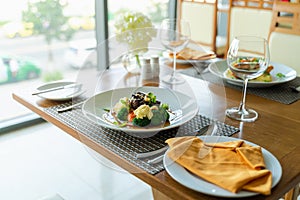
point(136, 100)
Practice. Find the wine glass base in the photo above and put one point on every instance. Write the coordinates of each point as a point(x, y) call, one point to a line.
point(243, 115)
point(173, 79)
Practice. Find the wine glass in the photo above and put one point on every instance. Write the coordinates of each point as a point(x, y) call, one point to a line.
point(248, 57)
point(174, 35)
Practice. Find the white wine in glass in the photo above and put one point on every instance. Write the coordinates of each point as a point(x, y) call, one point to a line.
point(175, 36)
point(248, 57)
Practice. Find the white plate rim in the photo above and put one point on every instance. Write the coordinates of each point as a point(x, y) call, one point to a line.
point(220, 73)
point(57, 84)
point(98, 119)
point(182, 176)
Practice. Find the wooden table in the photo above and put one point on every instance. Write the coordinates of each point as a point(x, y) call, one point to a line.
point(277, 130)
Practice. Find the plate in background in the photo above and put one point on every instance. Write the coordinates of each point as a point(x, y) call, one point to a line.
point(219, 69)
point(60, 95)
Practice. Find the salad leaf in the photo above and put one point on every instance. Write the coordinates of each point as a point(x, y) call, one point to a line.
point(280, 75)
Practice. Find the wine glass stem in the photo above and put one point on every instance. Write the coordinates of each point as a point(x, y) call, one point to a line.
point(174, 64)
point(242, 106)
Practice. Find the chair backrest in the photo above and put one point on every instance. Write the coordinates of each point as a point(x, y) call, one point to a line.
point(249, 17)
point(286, 18)
point(284, 37)
point(202, 16)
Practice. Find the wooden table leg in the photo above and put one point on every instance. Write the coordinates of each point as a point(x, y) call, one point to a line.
point(157, 195)
point(292, 194)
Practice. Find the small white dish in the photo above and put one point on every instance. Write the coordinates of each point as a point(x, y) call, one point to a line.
point(219, 69)
point(182, 176)
point(93, 108)
point(62, 94)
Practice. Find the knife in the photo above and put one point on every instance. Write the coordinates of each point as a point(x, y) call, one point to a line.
point(295, 88)
point(73, 85)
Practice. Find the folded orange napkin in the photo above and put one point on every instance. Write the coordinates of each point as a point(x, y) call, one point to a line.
point(193, 54)
point(232, 165)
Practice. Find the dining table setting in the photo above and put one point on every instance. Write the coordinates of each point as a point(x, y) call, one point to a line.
point(178, 134)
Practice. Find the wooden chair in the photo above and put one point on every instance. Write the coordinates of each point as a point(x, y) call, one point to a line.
point(202, 16)
point(249, 17)
point(284, 37)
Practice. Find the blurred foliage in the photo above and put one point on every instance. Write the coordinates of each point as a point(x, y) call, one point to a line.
point(49, 20)
point(3, 22)
point(52, 76)
point(156, 12)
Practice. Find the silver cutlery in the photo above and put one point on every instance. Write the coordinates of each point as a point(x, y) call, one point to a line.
point(211, 129)
point(69, 107)
point(295, 88)
point(73, 85)
point(199, 132)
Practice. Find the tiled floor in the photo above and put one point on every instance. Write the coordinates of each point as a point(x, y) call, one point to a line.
point(43, 160)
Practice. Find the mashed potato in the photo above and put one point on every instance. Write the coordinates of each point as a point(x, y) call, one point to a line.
point(143, 111)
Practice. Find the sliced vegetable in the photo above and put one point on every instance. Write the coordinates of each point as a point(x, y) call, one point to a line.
point(123, 114)
point(131, 116)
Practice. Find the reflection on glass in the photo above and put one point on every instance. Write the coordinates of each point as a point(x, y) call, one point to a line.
point(174, 35)
point(248, 57)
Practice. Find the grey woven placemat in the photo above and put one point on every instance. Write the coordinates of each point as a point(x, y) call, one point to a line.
point(127, 146)
point(281, 93)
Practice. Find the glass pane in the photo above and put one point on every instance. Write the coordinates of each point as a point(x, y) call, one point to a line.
point(42, 41)
point(156, 10)
point(124, 17)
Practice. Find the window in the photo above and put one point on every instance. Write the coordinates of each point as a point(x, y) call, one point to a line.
point(156, 10)
point(29, 55)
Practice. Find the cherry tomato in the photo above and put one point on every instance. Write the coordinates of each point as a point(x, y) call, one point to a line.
point(131, 116)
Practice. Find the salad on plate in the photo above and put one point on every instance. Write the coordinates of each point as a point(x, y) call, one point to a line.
point(140, 110)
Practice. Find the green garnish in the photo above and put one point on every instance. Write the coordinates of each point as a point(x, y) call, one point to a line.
point(106, 109)
point(123, 102)
point(165, 106)
point(280, 75)
point(152, 98)
point(120, 124)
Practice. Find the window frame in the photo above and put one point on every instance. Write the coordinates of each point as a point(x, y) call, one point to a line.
point(102, 34)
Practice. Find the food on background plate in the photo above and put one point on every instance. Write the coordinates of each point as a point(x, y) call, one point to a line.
point(247, 63)
point(140, 110)
point(192, 54)
point(265, 77)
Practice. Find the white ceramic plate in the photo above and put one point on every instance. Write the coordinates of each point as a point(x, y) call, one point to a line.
point(193, 182)
point(60, 95)
point(179, 102)
point(219, 68)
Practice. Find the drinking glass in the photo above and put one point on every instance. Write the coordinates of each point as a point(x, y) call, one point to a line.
point(174, 35)
point(248, 57)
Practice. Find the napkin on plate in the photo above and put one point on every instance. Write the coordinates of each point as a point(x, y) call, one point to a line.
point(232, 165)
point(193, 54)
